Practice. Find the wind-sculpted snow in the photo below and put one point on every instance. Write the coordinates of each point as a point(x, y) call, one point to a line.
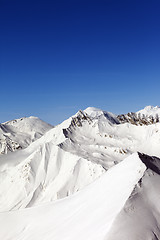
point(140, 217)
point(89, 214)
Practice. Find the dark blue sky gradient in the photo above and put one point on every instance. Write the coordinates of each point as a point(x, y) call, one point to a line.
point(57, 57)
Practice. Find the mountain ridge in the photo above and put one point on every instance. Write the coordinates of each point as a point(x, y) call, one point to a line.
point(91, 177)
point(108, 215)
point(81, 145)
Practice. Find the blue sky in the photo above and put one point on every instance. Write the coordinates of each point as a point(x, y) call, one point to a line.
point(57, 57)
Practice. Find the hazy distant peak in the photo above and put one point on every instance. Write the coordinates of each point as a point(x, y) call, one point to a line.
point(148, 108)
point(33, 117)
point(14, 121)
point(92, 109)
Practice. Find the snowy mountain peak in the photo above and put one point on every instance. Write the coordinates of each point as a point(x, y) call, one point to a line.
point(91, 146)
point(151, 107)
point(19, 133)
point(93, 112)
point(96, 113)
point(150, 111)
point(14, 121)
point(148, 115)
point(22, 119)
point(79, 118)
point(28, 124)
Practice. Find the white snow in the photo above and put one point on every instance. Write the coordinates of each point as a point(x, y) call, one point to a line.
point(150, 110)
point(61, 163)
point(93, 112)
point(89, 214)
point(140, 217)
point(70, 162)
point(96, 113)
point(43, 172)
point(19, 133)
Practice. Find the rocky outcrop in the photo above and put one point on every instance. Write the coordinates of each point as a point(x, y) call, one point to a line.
point(138, 118)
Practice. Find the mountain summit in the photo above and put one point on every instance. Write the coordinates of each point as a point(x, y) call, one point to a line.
point(150, 111)
point(19, 133)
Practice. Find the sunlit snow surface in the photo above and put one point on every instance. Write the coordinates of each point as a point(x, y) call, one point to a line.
point(150, 110)
point(88, 214)
point(19, 133)
point(123, 203)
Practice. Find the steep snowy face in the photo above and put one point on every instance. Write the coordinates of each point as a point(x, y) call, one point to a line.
point(140, 217)
point(105, 142)
point(43, 172)
point(54, 166)
point(148, 115)
point(19, 133)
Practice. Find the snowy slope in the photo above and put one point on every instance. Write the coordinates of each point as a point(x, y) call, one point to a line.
point(70, 156)
point(106, 142)
point(89, 214)
point(72, 160)
point(140, 217)
point(43, 172)
point(19, 133)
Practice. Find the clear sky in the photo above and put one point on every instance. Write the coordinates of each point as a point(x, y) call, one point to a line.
point(57, 57)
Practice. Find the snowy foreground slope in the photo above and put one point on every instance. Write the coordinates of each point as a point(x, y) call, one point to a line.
point(123, 204)
point(64, 164)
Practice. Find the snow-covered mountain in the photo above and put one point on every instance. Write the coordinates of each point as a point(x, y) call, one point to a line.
point(19, 133)
point(90, 160)
point(146, 116)
point(123, 204)
point(150, 111)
